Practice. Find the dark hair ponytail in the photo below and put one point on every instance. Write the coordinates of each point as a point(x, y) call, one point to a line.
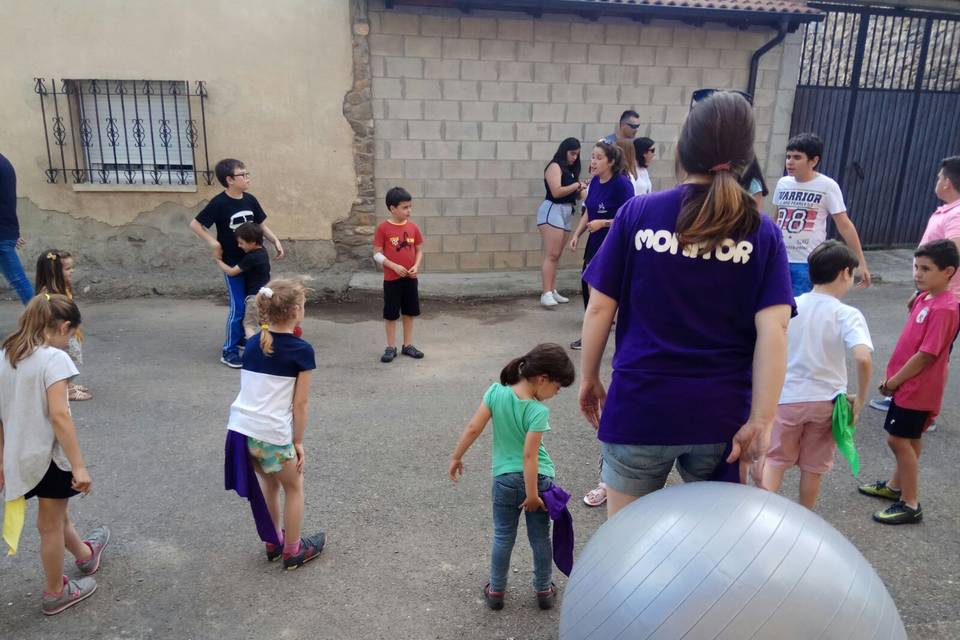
point(717, 141)
point(546, 359)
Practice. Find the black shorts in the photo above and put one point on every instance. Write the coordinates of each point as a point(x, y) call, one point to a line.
point(400, 296)
point(56, 484)
point(905, 423)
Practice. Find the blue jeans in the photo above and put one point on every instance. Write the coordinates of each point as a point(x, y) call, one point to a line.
point(508, 495)
point(800, 278)
point(13, 270)
point(236, 288)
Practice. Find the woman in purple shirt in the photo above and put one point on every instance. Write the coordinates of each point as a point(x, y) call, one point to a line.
point(608, 190)
point(699, 282)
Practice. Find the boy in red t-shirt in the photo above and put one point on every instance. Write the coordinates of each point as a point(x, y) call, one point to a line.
point(398, 247)
point(916, 377)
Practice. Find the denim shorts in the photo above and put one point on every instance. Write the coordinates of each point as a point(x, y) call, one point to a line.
point(270, 457)
point(639, 469)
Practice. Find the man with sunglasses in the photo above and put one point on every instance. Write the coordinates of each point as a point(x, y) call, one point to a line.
point(629, 124)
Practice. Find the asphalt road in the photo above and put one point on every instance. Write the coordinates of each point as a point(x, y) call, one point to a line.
point(407, 550)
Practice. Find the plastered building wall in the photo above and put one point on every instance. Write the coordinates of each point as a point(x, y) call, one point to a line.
point(276, 74)
point(469, 109)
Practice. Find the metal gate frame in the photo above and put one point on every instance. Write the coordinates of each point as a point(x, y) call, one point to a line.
point(834, 72)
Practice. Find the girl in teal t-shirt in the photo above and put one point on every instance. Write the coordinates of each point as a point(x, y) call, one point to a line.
point(521, 467)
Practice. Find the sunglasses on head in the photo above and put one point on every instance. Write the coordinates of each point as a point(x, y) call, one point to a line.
point(703, 94)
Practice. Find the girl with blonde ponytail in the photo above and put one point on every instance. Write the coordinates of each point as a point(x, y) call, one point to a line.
point(267, 424)
point(699, 282)
point(39, 450)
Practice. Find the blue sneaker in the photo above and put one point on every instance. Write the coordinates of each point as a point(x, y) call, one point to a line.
point(232, 360)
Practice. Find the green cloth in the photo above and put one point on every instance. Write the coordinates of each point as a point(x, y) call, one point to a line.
point(513, 418)
point(844, 432)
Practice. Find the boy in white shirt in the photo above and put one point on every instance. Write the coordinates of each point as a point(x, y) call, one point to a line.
point(804, 199)
point(817, 341)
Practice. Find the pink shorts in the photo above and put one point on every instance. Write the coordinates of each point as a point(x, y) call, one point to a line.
point(803, 435)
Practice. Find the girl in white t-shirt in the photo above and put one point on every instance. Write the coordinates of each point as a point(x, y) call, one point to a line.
point(267, 423)
point(40, 452)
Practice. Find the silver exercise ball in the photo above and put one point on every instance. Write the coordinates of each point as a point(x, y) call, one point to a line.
point(714, 560)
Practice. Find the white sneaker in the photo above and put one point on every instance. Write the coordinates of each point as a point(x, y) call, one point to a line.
point(547, 300)
point(559, 298)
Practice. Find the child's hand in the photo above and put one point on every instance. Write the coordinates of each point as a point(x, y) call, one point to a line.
point(573, 242)
point(533, 504)
point(301, 457)
point(886, 389)
point(456, 468)
point(400, 270)
point(81, 480)
point(856, 405)
point(412, 270)
point(217, 251)
point(596, 225)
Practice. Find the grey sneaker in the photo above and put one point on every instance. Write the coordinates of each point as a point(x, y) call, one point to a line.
point(388, 354)
point(412, 351)
point(73, 592)
point(310, 548)
point(97, 540)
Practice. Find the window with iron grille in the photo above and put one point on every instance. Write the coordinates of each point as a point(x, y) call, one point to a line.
point(125, 132)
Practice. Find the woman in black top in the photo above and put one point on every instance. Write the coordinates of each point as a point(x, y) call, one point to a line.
point(561, 179)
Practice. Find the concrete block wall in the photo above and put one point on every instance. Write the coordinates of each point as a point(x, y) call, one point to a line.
point(469, 108)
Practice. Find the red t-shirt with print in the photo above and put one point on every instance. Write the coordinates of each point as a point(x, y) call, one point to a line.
point(931, 328)
point(399, 242)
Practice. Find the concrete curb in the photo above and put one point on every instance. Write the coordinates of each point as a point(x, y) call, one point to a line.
point(894, 266)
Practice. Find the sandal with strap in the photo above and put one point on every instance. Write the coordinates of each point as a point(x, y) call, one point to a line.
point(77, 394)
point(595, 497)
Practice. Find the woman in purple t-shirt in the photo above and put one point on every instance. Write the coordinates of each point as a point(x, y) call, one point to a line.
point(700, 285)
point(608, 190)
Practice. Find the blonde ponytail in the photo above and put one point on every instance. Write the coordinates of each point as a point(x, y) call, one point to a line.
point(277, 302)
point(42, 313)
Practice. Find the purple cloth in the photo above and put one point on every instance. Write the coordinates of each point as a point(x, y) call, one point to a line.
point(603, 201)
point(240, 476)
point(685, 326)
point(556, 500)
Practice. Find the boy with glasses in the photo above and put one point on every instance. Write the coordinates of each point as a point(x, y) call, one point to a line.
point(228, 210)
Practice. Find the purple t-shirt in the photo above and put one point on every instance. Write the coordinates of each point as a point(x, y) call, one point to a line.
point(603, 201)
point(685, 326)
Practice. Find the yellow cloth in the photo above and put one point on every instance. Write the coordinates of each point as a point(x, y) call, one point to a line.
point(14, 513)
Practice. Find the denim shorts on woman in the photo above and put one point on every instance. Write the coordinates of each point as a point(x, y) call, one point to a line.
point(554, 214)
point(639, 469)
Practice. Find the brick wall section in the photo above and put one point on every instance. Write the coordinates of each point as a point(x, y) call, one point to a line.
point(470, 108)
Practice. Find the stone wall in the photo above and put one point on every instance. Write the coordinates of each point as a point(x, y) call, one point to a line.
point(278, 106)
point(469, 108)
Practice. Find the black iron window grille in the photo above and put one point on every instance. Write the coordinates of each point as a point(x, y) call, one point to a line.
point(125, 132)
point(895, 50)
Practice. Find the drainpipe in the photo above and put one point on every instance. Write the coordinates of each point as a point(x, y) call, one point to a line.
point(755, 59)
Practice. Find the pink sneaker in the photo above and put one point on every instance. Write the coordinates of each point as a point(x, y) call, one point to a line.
point(97, 540)
point(73, 592)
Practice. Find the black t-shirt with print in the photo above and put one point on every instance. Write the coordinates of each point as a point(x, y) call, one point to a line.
point(256, 270)
point(227, 214)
